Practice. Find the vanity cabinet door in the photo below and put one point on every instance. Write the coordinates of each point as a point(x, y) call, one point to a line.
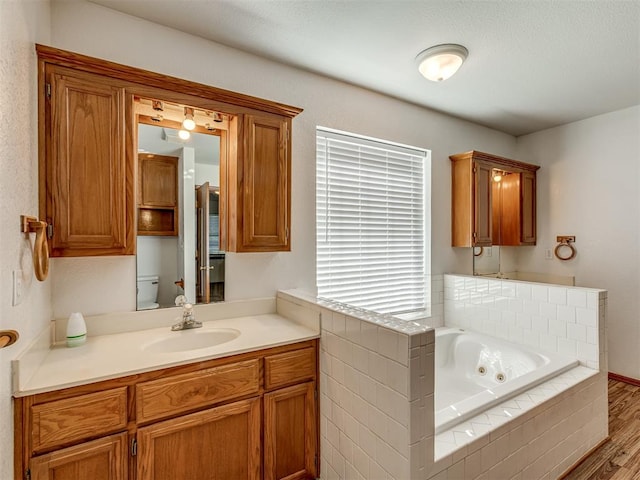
point(264, 189)
point(528, 208)
point(290, 433)
point(86, 190)
point(221, 443)
point(103, 459)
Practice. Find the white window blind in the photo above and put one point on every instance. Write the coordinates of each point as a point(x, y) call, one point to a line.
point(370, 211)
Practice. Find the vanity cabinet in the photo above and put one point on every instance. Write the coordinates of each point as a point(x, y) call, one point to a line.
point(86, 189)
point(88, 156)
point(102, 459)
point(487, 212)
point(252, 415)
point(157, 195)
point(219, 443)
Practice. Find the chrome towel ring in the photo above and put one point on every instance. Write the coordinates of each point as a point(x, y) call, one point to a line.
point(564, 243)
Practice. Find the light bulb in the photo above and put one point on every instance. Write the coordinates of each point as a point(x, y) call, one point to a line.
point(184, 135)
point(188, 124)
point(497, 177)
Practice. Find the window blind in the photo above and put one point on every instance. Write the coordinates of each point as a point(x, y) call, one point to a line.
point(370, 214)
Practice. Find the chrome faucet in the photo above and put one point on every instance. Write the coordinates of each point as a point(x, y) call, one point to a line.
point(188, 320)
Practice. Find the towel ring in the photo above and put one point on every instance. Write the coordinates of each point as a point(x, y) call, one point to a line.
point(565, 241)
point(479, 254)
point(40, 247)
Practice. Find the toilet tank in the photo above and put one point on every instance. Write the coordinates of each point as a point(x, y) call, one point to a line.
point(147, 292)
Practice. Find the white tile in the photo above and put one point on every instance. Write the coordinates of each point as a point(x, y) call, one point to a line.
point(592, 335)
point(593, 299)
point(576, 297)
point(369, 335)
point(338, 324)
point(387, 342)
point(567, 313)
point(586, 317)
point(577, 332)
point(587, 352)
point(523, 321)
point(549, 310)
point(539, 293)
point(378, 367)
point(361, 358)
point(531, 307)
point(508, 289)
point(558, 295)
point(523, 291)
point(567, 347)
point(539, 324)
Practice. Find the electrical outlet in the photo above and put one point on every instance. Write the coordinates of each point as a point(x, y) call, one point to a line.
point(548, 255)
point(17, 287)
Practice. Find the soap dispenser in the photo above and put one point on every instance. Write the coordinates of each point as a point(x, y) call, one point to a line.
point(76, 330)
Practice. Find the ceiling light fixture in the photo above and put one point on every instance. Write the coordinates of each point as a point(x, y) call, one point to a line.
point(188, 123)
point(441, 62)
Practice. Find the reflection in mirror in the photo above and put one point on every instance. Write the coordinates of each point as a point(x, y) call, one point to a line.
point(486, 260)
point(178, 248)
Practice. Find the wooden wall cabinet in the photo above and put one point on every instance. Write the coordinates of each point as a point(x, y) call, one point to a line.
point(86, 189)
point(262, 206)
point(87, 136)
point(485, 212)
point(158, 210)
point(250, 416)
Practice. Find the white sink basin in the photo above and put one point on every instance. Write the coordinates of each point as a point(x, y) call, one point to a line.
point(191, 340)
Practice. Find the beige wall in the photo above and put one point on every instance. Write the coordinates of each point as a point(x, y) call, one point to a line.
point(589, 186)
point(89, 29)
point(21, 24)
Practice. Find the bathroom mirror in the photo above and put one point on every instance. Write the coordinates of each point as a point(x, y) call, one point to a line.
point(178, 249)
point(486, 260)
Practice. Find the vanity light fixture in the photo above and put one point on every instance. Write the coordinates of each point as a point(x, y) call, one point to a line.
point(209, 127)
point(497, 176)
point(157, 105)
point(441, 61)
point(217, 117)
point(184, 134)
point(188, 123)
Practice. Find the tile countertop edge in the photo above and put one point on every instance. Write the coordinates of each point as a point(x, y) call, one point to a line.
point(406, 327)
point(69, 367)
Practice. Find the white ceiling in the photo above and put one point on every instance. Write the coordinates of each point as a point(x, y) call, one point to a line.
point(532, 64)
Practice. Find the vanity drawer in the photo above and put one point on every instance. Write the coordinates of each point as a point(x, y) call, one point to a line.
point(78, 418)
point(180, 393)
point(289, 367)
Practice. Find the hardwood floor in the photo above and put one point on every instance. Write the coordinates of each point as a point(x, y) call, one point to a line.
point(618, 459)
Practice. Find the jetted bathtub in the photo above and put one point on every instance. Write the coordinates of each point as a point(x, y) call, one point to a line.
point(475, 372)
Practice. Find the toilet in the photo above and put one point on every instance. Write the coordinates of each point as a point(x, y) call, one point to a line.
point(147, 292)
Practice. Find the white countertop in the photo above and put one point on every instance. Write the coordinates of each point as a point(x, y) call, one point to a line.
point(105, 357)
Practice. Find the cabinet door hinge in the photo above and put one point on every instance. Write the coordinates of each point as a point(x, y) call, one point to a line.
point(134, 447)
point(475, 235)
point(49, 230)
point(47, 89)
point(27, 474)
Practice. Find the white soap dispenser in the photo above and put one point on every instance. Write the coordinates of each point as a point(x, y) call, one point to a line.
point(76, 330)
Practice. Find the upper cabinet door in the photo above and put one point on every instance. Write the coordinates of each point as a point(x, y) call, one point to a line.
point(264, 185)
point(528, 207)
point(89, 188)
point(482, 204)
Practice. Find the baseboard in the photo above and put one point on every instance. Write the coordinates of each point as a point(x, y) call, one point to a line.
point(583, 458)
point(622, 378)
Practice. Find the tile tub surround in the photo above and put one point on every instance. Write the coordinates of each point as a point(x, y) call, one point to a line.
point(368, 391)
point(566, 320)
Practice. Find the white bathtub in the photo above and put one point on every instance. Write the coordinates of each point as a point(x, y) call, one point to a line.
point(475, 372)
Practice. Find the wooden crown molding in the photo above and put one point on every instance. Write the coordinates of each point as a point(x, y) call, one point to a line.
point(158, 80)
point(496, 160)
